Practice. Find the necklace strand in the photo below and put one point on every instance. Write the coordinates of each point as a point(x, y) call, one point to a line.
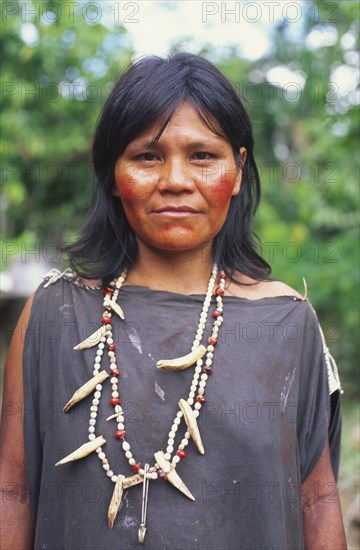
point(197, 387)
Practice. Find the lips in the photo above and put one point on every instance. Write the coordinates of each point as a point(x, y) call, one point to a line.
point(183, 209)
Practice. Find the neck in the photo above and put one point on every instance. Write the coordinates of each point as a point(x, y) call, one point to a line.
point(184, 273)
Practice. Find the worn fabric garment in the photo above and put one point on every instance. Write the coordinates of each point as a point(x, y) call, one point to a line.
point(264, 423)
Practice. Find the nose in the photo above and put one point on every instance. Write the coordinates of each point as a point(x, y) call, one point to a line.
point(176, 177)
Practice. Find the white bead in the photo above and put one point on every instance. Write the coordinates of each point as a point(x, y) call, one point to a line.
point(172, 433)
point(196, 376)
point(220, 319)
point(210, 355)
point(196, 413)
point(92, 422)
point(171, 441)
point(114, 380)
point(91, 429)
point(97, 395)
point(101, 455)
point(179, 414)
point(97, 359)
point(101, 346)
point(198, 406)
point(141, 472)
point(114, 479)
point(202, 383)
point(169, 449)
point(118, 408)
point(95, 401)
point(177, 421)
point(191, 394)
point(176, 459)
point(198, 369)
point(126, 446)
point(109, 473)
point(106, 467)
point(128, 454)
point(204, 376)
point(187, 435)
point(154, 475)
point(114, 387)
point(110, 341)
point(132, 461)
point(166, 468)
point(182, 445)
point(93, 415)
point(94, 408)
point(120, 418)
point(115, 393)
point(167, 456)
point(98, 450)
point(92, 437)
point(193, 387)
point(190, 401)
point(210, 348)
point(120, 426)
point(201, 391)
point(95, 372)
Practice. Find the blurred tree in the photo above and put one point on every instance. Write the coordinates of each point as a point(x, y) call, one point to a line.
point(58, 67)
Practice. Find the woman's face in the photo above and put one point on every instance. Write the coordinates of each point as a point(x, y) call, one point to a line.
point(176, 193)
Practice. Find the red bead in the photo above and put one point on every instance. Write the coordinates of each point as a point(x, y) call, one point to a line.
point(200, 399)
point(219, 291)
point(116, 372)
point(106, 320)
point(112, 347)
point(216, 314)
point(114, 401)
point(180, 453)
point(223, 276)
point(136, 467)
point(208, 370)
point(119, 434)
point(212, 341)
point(107, 290)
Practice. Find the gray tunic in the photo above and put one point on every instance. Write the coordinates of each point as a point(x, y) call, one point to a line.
point(264, 423)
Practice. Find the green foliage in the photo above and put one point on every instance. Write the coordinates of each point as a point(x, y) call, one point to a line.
point(306, 145)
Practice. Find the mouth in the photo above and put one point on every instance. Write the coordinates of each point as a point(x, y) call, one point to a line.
point(176, 211)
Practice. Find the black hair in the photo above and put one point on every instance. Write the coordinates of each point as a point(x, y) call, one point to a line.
point(150, 91)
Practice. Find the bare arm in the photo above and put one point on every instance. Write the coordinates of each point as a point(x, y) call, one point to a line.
point(16, 526)
point(322, 518)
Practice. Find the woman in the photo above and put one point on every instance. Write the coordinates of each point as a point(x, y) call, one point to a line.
point(168, 245)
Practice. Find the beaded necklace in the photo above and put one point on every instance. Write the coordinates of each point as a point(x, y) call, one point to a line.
point(165, 462)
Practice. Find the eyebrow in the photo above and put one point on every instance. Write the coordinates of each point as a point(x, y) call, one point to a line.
point(196, 144)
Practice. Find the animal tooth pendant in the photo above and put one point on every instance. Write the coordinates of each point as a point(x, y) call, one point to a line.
point(133, 480)
point(92, 340)
point(181, 363)
point(192, 425)
point(171, 475)
point(84, 450)
point(118, 310)
point(86, 389)
point(116, 500)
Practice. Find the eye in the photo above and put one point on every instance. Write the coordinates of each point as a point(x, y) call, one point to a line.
point(202, 155)
point(146, 156)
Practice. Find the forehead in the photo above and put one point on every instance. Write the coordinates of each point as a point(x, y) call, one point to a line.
point(185, 120)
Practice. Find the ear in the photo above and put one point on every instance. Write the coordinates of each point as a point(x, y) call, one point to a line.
point(115, 189)
point(243, 155)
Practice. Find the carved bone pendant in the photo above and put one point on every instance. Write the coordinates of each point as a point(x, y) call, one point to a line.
point(82, 451)
point(116, 500)
point(92, 340)
point(86, 389)
point(181, 363)
point(171, 475)
point(192, 425)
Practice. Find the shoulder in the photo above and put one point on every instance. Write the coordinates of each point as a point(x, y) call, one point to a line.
point(255, 290)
